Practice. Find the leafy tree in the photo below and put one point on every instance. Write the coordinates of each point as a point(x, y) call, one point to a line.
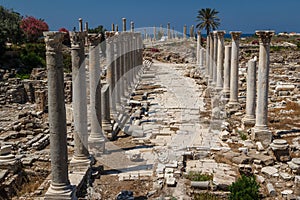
point(208, 19)
point(245, 188)
point(9, 27)
point(33, 28)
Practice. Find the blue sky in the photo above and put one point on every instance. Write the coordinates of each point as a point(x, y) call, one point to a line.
point(246, 16)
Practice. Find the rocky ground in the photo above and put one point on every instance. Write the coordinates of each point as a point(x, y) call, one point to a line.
point(172, 148)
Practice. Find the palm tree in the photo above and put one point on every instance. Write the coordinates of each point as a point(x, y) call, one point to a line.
point(208, 19)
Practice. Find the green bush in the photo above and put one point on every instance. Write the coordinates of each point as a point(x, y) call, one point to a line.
point(196, 176)
point(245, 188)
point(23, 76)
point(205, 196)
point(32, 56)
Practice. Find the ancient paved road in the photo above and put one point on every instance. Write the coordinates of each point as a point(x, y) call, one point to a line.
point(173, 125)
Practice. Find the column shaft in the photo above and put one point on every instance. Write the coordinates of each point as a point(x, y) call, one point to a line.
point(60, 183)
point(220, 61)
point(79, 103)
point(211, 60)
point(249, 118)
point(261, 131)
point(226, 86)
point(207, 56)
point(95, 86)
point(234, 69)
point(215, 58)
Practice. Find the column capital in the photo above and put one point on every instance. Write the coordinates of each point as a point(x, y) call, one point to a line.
point(77, 39)
point(235, 35)
point(53, 41)
point(221, 34)
point(265, 36)
point(94, 39)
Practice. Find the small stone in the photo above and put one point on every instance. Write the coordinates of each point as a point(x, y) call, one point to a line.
point(260, 147)
point(171, 181)
point(285, 176)
point(270, 171)
point(286, 192)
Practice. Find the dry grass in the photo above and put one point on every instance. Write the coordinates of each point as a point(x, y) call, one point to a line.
point(285, 118)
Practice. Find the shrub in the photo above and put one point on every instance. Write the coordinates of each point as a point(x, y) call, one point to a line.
point(245, 188)
point(197, 176)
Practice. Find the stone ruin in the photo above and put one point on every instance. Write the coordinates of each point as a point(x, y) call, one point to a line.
point(117, 102)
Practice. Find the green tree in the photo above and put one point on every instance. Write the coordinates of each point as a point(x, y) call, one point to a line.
point(245, 188)
point(208, 20)
point(9, 27)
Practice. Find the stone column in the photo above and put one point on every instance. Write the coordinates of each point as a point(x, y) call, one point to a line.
point(249, 119)
point(198, 47)
point(234, 69)
point(80, 25)
point(105, 111)
point(261, 131)
point(112, 27)
point(211, 60)
point(110, 73)
point(86, 27)
point(124, 24)
point(154, 33)
point(125, 66)
point(79, 103)
point(117, 66)
point(60, 187)
point(220, 60)
point(201, 64)
point(169, 31)
point(96, 139)
point(207, 57)
point(117, 28)
point(131, 26)
point(192, 32)
point(226, 86)
point(184, 32)
point(215, 58)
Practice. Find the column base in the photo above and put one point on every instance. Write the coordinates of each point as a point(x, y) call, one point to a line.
point(66, 192)
point(80, 160)
point(248, 122)
point(96, 146)
point(261, 134)
point(106, 126)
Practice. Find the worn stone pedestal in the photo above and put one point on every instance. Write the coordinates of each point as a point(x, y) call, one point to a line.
point(281, 151)
point(61, 193)
point(261, 134)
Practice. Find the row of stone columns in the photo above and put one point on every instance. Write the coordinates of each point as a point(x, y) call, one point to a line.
point(222, 74)
point(124, 61)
